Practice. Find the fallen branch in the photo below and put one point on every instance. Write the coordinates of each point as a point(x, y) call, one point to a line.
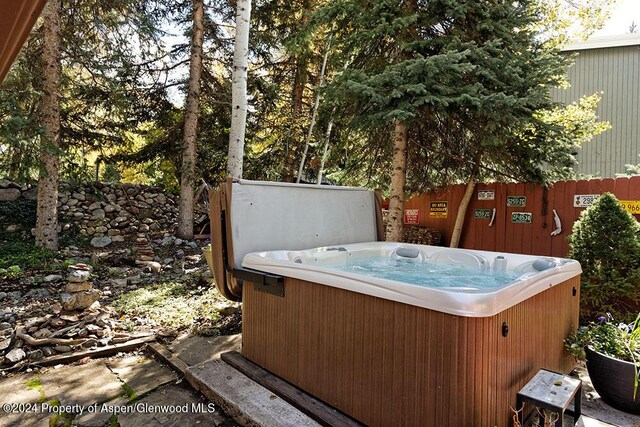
point(38, 342)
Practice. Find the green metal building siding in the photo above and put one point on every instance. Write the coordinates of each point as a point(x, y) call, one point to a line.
point(615, 71)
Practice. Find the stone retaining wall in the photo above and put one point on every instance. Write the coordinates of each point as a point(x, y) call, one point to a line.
point(107, 212)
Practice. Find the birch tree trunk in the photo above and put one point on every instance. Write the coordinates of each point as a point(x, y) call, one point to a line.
point(398, 178)
point(239, 90)
point(314, 111)
point(464, 204)
point(46, 232)
point(187, 176)
point(325, 152)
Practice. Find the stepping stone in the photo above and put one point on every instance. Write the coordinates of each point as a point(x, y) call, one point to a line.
point(82, 384)
point(141, 374)
point(199, 412)
point(195, 349)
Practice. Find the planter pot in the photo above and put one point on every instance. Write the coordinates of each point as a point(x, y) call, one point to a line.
point(613, 380)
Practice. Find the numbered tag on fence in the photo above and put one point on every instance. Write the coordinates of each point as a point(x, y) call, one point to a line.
point(521, 217)
point(632, 206)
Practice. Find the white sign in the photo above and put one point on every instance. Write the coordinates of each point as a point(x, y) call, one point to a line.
point(486, 195)
point(584, 200)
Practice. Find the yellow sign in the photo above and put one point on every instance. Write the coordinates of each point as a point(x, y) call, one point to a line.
point(438, 209)
point(632, 206)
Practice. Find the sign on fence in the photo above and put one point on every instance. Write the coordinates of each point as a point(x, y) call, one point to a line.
point(438, 209)
point(482, 213)
point(486, 194)
point(632, 206)
point(517, 201)
point(584, 200)
point(412, 216)
point(521, 217)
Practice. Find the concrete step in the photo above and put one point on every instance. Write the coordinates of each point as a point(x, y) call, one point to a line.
point(247, 402)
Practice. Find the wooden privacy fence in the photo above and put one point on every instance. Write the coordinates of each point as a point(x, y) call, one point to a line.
point(525, 226)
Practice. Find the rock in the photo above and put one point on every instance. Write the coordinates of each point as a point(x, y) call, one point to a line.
point(94, 206)
point(5, 343)
point(178, 242)
point(120, 340)
point(79, 196)
point(15, 355)
point(52, 278)
point(30, 194)
point(78, 276)
point(35, 354)
point(5, 325)
point(3, 295)
point(12, 228)
point(192, 245)
point(101, 242)
point(56, 307)
point(119, 282)
point(90, 343)
point(161, 199)
point(47, 351)
point(80, 265)
point(63, 348)
point(118, 239)
point(69, 318)
point(151, 266)
point(110, 208)
point(37, 293)
point(9, 194)
point(79, 300)
point(101, 229)
point(113, 232)
point(78, 287)
point(98, 213)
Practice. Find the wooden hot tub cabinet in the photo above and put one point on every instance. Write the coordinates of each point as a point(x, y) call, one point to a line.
point(388, 363)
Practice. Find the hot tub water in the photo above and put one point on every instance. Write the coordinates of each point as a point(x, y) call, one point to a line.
point(429, 274)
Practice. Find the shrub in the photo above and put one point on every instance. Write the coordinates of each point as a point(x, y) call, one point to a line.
point(606, 242)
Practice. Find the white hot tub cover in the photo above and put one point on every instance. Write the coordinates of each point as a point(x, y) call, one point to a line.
point(266, 216)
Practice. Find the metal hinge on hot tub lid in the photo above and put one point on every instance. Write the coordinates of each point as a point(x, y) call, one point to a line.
point(264, 282)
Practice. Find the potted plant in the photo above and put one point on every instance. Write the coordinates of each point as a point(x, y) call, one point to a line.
point(612, 354)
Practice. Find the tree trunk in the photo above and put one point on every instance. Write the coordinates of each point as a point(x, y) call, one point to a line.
point(314, 111)
point(46, 231)
point(398, 178)
point(325, 152)
point(239, 90)
point(462, 209)
point(187, 177)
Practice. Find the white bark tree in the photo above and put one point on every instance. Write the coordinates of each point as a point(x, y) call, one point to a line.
point(314, 110)
point(187, 177)
point(398, 178)
point(239, 90)
point(46, 232)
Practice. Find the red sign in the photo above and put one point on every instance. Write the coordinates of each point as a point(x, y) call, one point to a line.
point(412, 216)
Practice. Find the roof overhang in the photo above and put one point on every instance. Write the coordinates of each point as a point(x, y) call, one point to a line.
point(17, 18)
point(604, 42)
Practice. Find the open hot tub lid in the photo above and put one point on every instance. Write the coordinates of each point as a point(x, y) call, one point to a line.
point(251, 216)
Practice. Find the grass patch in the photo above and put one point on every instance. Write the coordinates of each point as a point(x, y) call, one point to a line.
point(24, 255)
point(35, 384)
point(131, 395)
point(172, 304)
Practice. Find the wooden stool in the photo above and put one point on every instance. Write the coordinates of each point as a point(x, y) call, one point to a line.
point(551, 391)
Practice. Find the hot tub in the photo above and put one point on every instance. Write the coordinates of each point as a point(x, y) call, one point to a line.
point(478, 284)
point(383, 351)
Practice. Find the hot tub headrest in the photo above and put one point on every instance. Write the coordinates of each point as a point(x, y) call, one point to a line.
point(406, 252)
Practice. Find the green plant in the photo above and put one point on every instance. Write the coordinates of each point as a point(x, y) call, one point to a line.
point(606, 242)
point(24, 254)
point(10, 272)
point(620, 341)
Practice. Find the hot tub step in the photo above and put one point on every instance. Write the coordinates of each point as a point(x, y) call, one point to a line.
point(316, 409)
point(247, 402)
